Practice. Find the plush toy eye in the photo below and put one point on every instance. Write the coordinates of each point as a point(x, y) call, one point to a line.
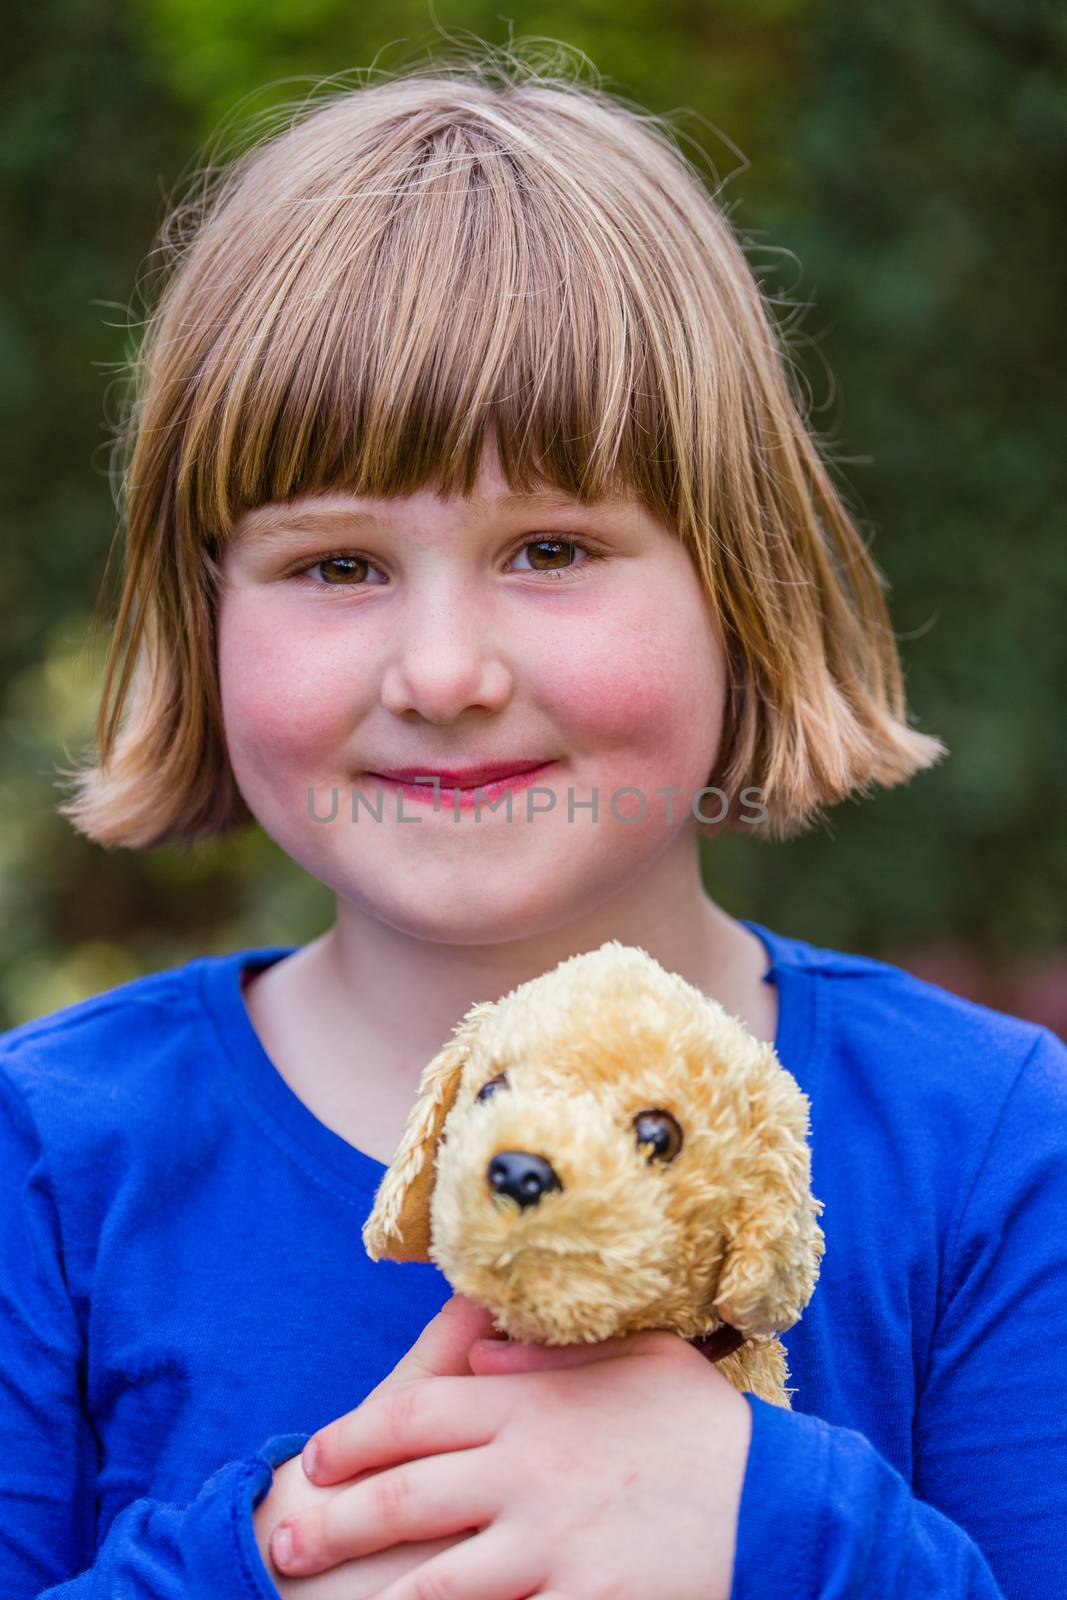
point(660, 1130)
point(488, 1090)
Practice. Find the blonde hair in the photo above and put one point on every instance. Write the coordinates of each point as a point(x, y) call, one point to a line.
point(351, 304)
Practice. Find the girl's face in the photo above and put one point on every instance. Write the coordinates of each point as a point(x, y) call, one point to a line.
point(437, 635)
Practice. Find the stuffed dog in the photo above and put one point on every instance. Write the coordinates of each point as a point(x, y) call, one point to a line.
point(604, 1150)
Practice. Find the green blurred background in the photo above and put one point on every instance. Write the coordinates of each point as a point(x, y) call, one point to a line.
point(899, 169)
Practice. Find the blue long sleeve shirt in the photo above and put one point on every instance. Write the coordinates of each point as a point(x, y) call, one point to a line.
point(185, 1298)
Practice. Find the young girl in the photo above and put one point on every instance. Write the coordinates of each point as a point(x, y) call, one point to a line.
point(464, 450)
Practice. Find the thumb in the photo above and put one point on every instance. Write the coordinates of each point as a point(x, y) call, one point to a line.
point(441, 1348)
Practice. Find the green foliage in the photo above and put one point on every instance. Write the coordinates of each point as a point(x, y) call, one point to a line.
point(905, 173)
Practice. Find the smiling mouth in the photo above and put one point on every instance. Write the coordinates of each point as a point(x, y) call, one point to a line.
point(450, 781)
point(466, 795)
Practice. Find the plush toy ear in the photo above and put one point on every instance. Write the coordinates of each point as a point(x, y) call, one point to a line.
point(399, 1223)
point(773, 1240)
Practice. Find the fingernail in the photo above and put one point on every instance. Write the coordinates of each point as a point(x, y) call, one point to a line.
point(310, 1459)
point(281, 1547)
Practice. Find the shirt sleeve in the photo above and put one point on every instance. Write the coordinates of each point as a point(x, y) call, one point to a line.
point(823, 1515)
point(154, 1550)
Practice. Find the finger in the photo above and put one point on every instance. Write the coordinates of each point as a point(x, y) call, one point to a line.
point(367, 1576)
point(417, 1501)
point(442, 1346)
point(499, 1356)
point(405, 1422)
point(482, 1568)
point(440, 1350)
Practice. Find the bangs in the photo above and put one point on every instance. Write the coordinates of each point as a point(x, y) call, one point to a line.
point(373, 324)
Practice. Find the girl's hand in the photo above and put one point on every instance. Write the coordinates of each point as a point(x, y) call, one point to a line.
point(581, 1470)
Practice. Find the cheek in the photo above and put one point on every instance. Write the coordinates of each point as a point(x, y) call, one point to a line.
point(651, 682)
point(276, 706)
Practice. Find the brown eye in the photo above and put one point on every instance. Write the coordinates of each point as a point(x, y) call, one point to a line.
point(488, 1090)
point(660, 1130)
point(555, 548)
point(354, 568)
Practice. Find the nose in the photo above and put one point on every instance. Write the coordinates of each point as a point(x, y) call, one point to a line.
point(445, 661)
point(522, 1175)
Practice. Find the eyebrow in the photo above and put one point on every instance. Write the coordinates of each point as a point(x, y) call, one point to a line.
point(274, 524)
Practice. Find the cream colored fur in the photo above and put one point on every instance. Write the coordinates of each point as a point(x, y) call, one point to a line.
point(724, 1233)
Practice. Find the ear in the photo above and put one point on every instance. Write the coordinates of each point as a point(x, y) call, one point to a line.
point(399, 1223)
point(773, 1239)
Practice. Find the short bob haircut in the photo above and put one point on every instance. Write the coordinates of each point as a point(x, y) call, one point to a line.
point(354, 300)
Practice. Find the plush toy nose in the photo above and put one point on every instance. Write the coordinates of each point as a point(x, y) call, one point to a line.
point(525, 1177)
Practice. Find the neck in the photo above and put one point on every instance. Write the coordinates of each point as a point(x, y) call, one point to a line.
point(402, 995)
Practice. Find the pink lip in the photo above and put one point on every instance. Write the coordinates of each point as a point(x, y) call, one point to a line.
point(466, 793)
point(465, 778)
